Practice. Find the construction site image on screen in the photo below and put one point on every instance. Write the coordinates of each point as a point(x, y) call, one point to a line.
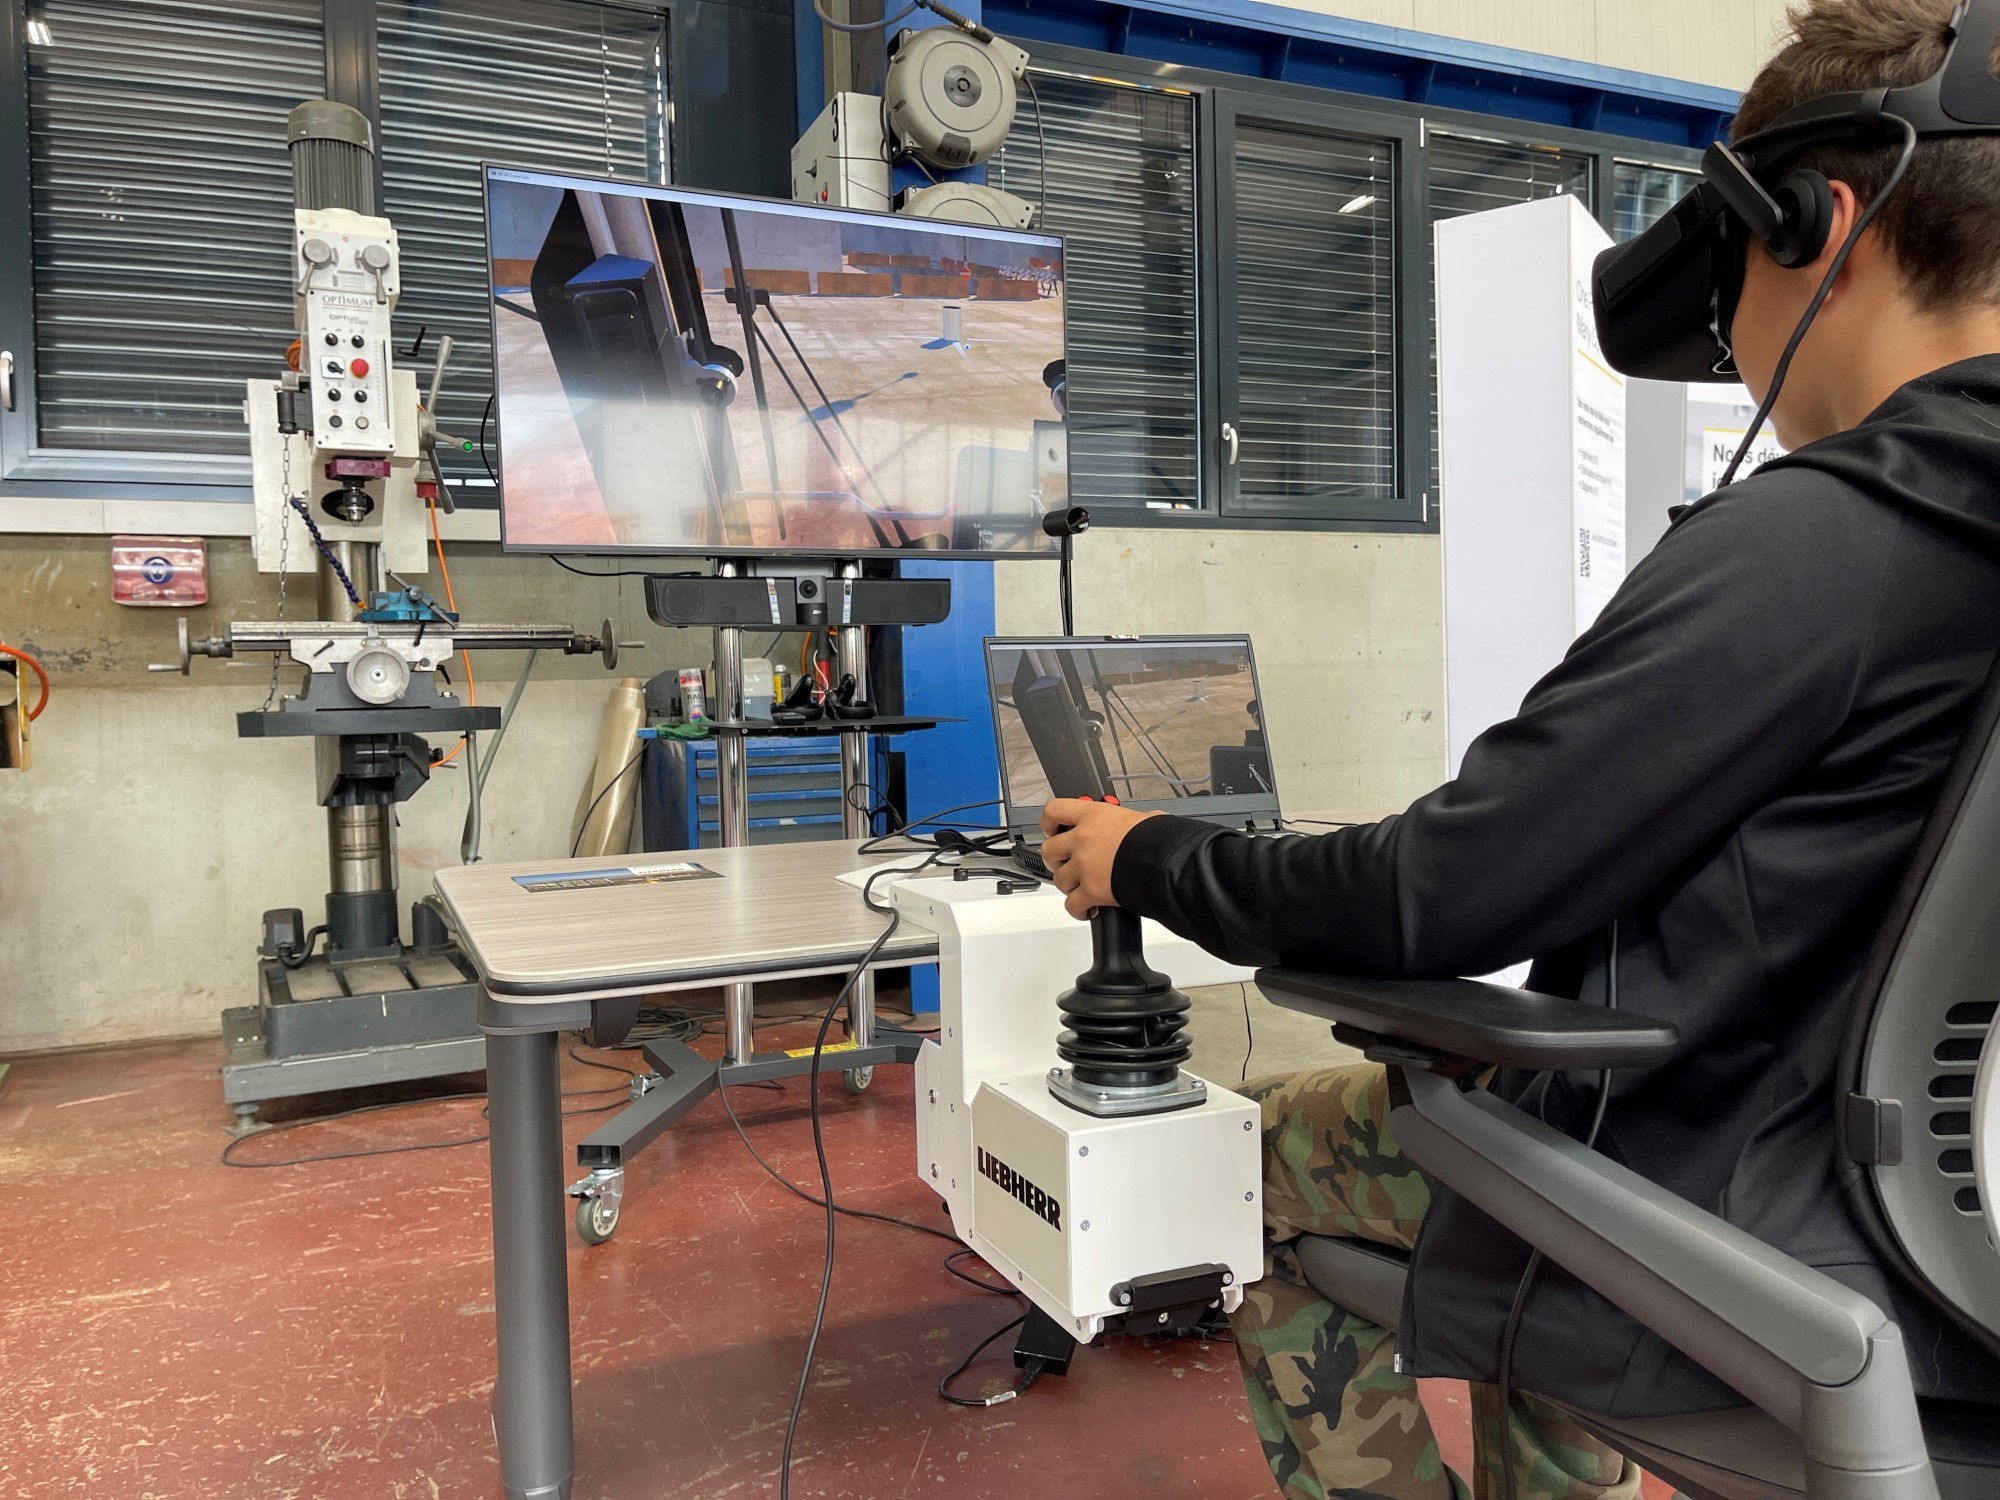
point(1149, 724)
point(883, 385)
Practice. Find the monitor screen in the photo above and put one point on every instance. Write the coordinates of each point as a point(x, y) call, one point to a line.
point(691, 372)
point(1172, 723)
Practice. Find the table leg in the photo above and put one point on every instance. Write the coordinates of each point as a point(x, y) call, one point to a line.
point(531, 1399)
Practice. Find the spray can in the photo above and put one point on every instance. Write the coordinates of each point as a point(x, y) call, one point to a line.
point(694, 693)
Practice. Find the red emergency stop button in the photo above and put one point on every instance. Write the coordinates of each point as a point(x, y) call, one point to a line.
point(358, 368)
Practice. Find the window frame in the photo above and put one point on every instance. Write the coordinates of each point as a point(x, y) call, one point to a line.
point(1214, 92)
point(1230, 109)
point(30, 473)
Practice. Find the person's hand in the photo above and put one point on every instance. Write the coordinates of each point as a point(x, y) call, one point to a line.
point(1083, 838)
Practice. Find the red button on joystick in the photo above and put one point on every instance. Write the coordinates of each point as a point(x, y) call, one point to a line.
point(358, 368)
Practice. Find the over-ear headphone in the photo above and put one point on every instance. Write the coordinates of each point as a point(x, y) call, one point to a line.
point(1793, 220)
point(1805, 200)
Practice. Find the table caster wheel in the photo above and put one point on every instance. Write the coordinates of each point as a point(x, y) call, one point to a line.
point(858, 1079)
point(596, 1220)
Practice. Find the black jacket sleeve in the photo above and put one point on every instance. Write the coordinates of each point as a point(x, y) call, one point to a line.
point(1729, 656)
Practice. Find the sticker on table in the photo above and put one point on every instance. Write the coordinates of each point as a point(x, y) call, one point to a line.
point(587, 880)
point(827, 1051)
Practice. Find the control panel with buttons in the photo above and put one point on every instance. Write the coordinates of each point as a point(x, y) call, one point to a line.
point(347, 286)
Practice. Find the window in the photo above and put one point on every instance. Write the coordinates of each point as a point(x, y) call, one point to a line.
point(1309, 287)
point(1467, 175)
point(1641, 192)
point(557, 84)
point(146, 212)
point(1118, 182)
point(160, 200)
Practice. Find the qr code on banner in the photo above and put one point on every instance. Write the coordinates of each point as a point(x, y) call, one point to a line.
point(1583, 552)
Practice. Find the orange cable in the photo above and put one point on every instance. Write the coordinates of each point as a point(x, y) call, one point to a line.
point(39, 670)
point(451, 602)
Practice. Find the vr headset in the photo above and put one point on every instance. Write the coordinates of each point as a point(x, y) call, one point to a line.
point(1665, 301)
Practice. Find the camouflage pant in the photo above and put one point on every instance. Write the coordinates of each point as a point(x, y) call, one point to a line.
point(1336, 1420)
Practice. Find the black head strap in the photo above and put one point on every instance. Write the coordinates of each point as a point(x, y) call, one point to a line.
point(1961, 98)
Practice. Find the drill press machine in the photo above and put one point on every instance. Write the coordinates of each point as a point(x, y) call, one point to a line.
point(338, 444)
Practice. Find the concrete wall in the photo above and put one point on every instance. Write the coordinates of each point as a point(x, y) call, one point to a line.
point(1718, 42)
point(1347, 628)
point(138, 855)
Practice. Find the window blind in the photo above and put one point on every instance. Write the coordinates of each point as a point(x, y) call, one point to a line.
point(1641, 193)
point(1117, 182)
point(161, 205)
point(562, 85)
point(1468, 175)
point(1315, 285)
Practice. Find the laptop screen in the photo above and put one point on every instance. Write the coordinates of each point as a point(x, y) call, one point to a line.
point(1169, 723)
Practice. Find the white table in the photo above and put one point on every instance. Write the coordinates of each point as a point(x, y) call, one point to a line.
point(553, 959)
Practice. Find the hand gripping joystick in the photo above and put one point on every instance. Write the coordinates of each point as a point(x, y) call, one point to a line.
point(1127, 1034)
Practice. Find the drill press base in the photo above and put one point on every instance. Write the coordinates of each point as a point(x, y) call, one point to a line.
point(351, 1024)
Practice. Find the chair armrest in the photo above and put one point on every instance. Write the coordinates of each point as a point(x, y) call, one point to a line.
point(1488, 1023)
point(1820, 1358)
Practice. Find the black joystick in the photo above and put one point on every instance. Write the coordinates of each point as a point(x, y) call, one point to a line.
point(1127, 1030)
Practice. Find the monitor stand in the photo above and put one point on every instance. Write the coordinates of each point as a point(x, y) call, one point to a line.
point(738, 597)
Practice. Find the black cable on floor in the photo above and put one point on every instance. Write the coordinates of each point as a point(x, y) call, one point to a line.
point(793, 1188)
point(1030, 1372)
point(228, 1156)
point(996, 1288)
point(1249, 1037)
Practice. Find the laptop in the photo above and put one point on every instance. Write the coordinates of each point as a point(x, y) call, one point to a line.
point(1171, 723)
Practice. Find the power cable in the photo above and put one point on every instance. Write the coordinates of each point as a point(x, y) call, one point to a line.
point(1031, 1371)
point(229, 1158)
point(857, 27)
point(41, 674)
point(819, 1151)
point(577, 842)
point(998, 1290)
point(793, 1188)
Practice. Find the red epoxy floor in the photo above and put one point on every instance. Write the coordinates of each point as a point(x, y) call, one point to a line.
point(170, 1327)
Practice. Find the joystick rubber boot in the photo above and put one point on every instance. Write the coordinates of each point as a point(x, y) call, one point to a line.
point(1126, 1029)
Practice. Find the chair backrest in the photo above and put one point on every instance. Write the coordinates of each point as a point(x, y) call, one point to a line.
point(1922, 1185)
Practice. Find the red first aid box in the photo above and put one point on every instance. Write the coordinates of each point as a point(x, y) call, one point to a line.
point(159, 571)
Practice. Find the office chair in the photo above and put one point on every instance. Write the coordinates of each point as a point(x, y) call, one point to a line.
point(1832, 1413)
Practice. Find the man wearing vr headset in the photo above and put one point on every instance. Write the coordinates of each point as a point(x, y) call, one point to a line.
point(1712, 797)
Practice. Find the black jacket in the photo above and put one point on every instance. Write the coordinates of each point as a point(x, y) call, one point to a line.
point(1734, 762)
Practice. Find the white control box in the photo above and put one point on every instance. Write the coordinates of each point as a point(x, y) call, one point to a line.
point(347, 272)
point(1069, 1206)
point(842, 161)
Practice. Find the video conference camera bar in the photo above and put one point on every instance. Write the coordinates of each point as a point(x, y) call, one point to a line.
point(798, 600)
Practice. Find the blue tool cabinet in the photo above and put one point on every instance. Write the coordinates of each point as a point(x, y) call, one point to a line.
point(794, 789)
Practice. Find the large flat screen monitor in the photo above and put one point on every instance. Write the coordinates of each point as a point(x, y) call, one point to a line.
point(696, 373)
